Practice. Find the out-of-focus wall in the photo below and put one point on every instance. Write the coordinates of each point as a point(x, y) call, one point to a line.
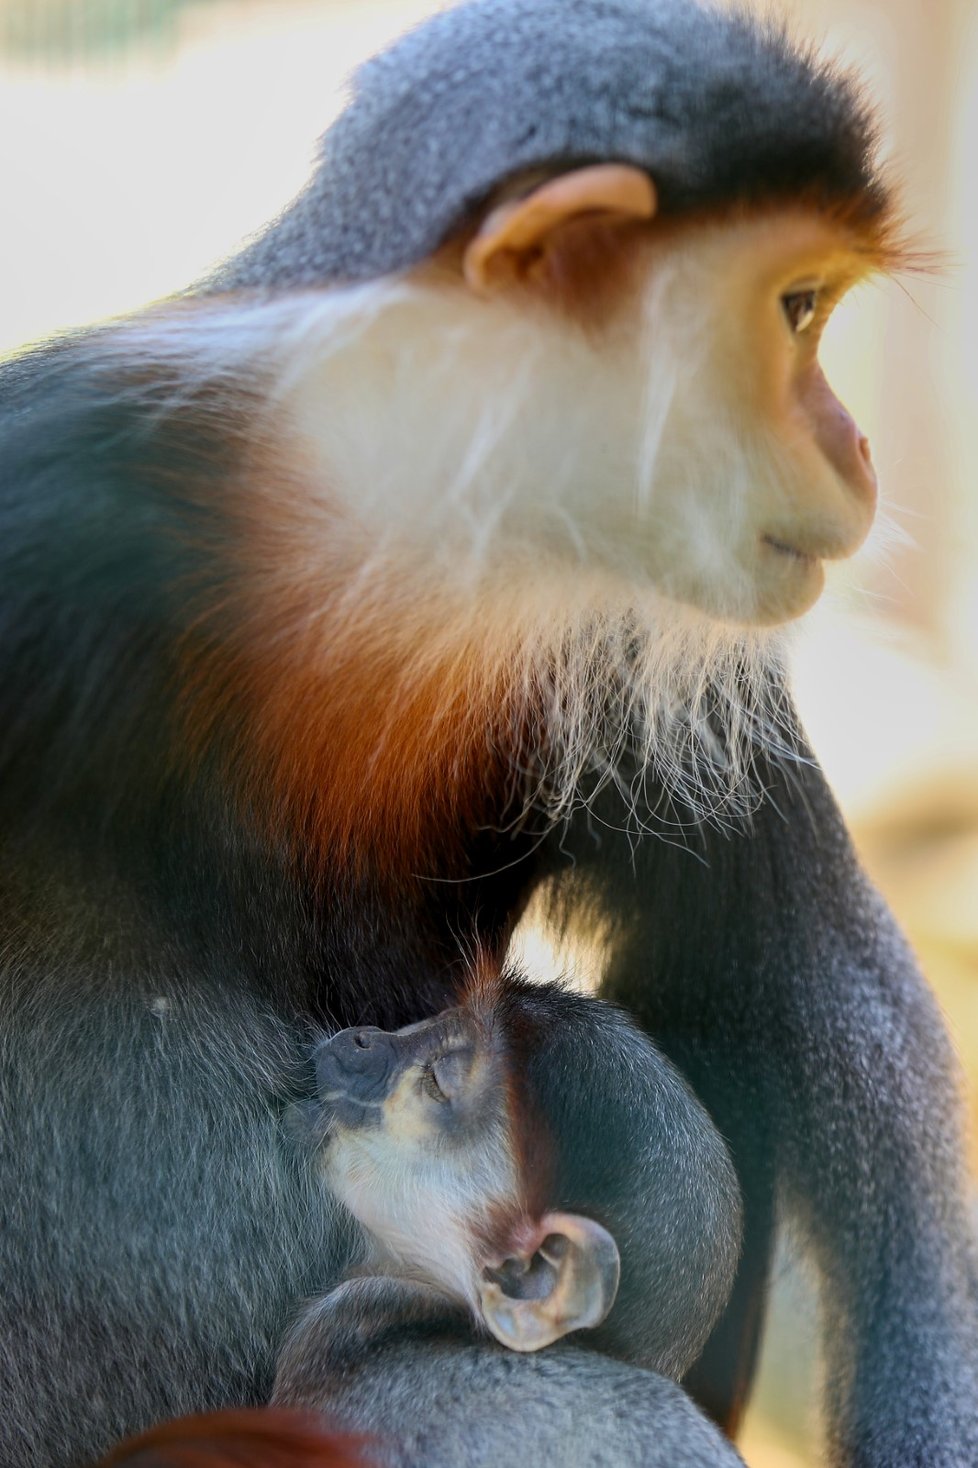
point(141, 139)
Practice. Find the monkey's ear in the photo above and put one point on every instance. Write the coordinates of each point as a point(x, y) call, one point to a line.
point(516, 234)
point(568, 1282)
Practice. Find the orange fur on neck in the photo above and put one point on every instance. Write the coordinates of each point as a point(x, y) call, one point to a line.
point(367, 759)
point(357, 720)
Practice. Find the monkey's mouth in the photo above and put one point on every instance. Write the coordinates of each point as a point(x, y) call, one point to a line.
point(347, 1112)
point(791, 551)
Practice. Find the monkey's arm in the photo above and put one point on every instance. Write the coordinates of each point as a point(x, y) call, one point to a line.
point(766, 965)
point(395, 1361)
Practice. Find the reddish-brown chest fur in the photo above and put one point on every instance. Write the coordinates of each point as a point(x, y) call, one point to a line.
point(367, 725)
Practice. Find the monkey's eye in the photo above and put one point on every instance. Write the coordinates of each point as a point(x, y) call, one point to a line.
point(430, 1086)
point(799, 308)
point(446, 1077)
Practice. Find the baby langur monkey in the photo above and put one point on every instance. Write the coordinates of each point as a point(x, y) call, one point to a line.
point(528, 1162)
point(435, 1151)
point(527, 1159)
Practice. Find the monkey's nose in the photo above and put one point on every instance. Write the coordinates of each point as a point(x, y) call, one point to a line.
point(356, 1061)
point(360, 1048)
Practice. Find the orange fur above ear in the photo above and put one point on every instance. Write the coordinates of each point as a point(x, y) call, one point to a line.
point(517, 233)
point(261, 1437)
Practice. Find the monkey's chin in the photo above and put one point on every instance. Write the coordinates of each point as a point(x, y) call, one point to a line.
point(778, 586)
point(788, 583)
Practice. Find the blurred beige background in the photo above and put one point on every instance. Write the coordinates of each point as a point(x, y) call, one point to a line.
point(140, 140)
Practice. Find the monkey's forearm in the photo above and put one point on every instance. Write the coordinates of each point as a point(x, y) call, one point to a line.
point(769, 970)
point(873, 1169)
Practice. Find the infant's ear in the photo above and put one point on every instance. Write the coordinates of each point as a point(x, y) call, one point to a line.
point(568, 1281)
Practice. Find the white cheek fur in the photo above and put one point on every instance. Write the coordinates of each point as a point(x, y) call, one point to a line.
point(470, 430)
point(491, 479)
point(567, 507)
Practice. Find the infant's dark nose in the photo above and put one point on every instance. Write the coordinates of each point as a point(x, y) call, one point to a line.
point(355, 1062)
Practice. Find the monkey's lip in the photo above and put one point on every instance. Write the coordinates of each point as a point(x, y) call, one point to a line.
point(806, 558)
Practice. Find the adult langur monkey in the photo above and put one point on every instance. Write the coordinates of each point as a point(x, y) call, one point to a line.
point(424, 561)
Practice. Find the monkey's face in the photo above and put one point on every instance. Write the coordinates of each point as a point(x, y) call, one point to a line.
point(686, 439)
point(635, 408)
point(422, 1085)
point(764, 476)
point(419, 1138)
point(423, 1152)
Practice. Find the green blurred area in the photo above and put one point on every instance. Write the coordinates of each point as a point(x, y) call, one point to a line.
point(53, 31)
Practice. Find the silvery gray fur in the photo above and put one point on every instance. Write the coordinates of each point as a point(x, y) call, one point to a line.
point(712, 104)
point(390, 1360)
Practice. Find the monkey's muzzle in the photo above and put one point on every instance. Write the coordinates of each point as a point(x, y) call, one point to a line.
point(354, 1070)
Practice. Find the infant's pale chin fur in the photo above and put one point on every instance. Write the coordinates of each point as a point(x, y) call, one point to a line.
point(389, 1186)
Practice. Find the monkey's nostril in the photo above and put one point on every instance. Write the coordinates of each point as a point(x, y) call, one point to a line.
point(361, 1040)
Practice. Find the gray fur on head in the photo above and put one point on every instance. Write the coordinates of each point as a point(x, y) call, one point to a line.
point(715, 105)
